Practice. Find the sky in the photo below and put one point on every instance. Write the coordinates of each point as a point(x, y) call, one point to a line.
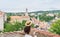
point(32, 5)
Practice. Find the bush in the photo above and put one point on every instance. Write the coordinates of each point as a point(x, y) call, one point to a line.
point(16, 26)
point(55, 27)
point(32, 25)
point(8, 27)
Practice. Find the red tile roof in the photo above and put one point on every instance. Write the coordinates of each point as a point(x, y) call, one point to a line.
point(40, 23)
point(19, 18)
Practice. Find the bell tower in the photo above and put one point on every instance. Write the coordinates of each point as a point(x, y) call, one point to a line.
point(26, 14)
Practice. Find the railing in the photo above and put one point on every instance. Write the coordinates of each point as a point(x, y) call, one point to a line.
point(20, 34)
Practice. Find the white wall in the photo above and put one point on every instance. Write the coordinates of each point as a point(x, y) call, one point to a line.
point(1, 23)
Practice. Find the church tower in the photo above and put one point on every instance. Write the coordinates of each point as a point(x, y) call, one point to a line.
point(26, 14)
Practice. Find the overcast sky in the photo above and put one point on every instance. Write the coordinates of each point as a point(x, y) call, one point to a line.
point(32, 5)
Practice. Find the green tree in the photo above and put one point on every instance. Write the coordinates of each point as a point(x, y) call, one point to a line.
point(8, 18)
point(45, 18)
point(55, 27)
point(16, 26)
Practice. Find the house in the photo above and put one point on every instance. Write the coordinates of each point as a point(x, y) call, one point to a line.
point(50, 14)
point(41, 24)
point(35, 21)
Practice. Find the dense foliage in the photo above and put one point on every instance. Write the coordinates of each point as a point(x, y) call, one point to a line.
point(45, 18)
point(8, 18)
point(55, 27)
point(16, 26)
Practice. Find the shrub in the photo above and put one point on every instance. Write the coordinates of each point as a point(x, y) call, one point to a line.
point(8, 27)
point(16, 26)
point(32, 25)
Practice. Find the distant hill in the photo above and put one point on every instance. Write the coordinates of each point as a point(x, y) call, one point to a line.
point(51, 11)
point(20, 13)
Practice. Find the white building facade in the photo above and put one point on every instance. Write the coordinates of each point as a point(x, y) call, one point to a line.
point(2, 19)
